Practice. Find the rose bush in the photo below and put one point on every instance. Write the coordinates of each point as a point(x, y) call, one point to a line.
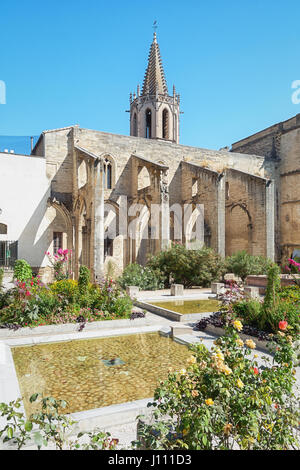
point(48, 427)
point(226, 400)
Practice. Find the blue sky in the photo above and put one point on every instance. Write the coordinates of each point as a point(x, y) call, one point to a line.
point(75, 62)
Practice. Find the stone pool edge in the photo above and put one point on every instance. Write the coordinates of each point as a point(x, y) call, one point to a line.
point(170, 314)
point(87, 420)
point(68, 328)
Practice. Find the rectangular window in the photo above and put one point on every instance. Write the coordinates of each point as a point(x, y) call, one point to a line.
point(57, 241)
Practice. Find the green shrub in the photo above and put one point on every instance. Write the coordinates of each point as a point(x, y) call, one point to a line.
point(6, 297)
point(188, 267)
point(279, 304)
point(65, 287)
point(242, 264)
point(144, 277)
point(1, 277)
point(271, 300)
point(250, 311)
point(47, 303)
point(84, 279)
point(22, 270)
point(121, 307)
point(290, 293)
point(47, 426)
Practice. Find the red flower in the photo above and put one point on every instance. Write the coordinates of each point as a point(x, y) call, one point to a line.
point(283, 325)
point(255, 370)
point(27, 293)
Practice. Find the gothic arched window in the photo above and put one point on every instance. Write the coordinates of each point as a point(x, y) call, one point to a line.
point(108, 173)
point(165, 124)
point(148, 123)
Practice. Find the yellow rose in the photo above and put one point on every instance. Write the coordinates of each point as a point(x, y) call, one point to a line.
point(209, 401)
point(240, 383)
point(240, 342)
point(192, 360)
point(250, 344)
point(227, 370)
point(238, 325)
point(218, 355)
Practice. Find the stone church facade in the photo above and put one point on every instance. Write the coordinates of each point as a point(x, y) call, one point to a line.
point(98, 183)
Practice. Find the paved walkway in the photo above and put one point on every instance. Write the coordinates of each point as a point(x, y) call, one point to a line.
point(165, 294)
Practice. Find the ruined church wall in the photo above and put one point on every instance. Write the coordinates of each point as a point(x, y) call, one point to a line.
point(122, 147)
point(245, 214)
point(290, 192)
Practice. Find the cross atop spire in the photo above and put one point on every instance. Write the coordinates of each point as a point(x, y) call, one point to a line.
point(154, 81)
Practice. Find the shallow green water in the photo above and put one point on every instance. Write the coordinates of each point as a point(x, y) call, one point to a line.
point(97, 372)
point(189, 306)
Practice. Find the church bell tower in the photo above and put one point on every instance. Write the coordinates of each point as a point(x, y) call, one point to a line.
point(154, 114)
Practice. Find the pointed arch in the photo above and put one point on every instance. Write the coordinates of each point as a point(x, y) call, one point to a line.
point(109, 171)
point(82, 174)
point(144, 179)
point(194, 231)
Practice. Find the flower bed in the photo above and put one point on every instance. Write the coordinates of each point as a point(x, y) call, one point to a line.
point(31, 303)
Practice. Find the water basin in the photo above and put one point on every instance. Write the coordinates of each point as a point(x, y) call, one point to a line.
point(99, 372)
point(189, 306)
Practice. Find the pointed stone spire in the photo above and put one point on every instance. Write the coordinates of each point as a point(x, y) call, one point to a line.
point(154, 81)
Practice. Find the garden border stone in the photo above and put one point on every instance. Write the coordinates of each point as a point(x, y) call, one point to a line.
point(170, 314)
point(72, 327)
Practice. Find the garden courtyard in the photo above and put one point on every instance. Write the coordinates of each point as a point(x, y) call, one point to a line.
point(177, 354)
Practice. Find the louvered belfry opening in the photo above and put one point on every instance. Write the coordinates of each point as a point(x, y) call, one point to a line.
point(135, 125)
point(148, 123)
point(165, 124)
